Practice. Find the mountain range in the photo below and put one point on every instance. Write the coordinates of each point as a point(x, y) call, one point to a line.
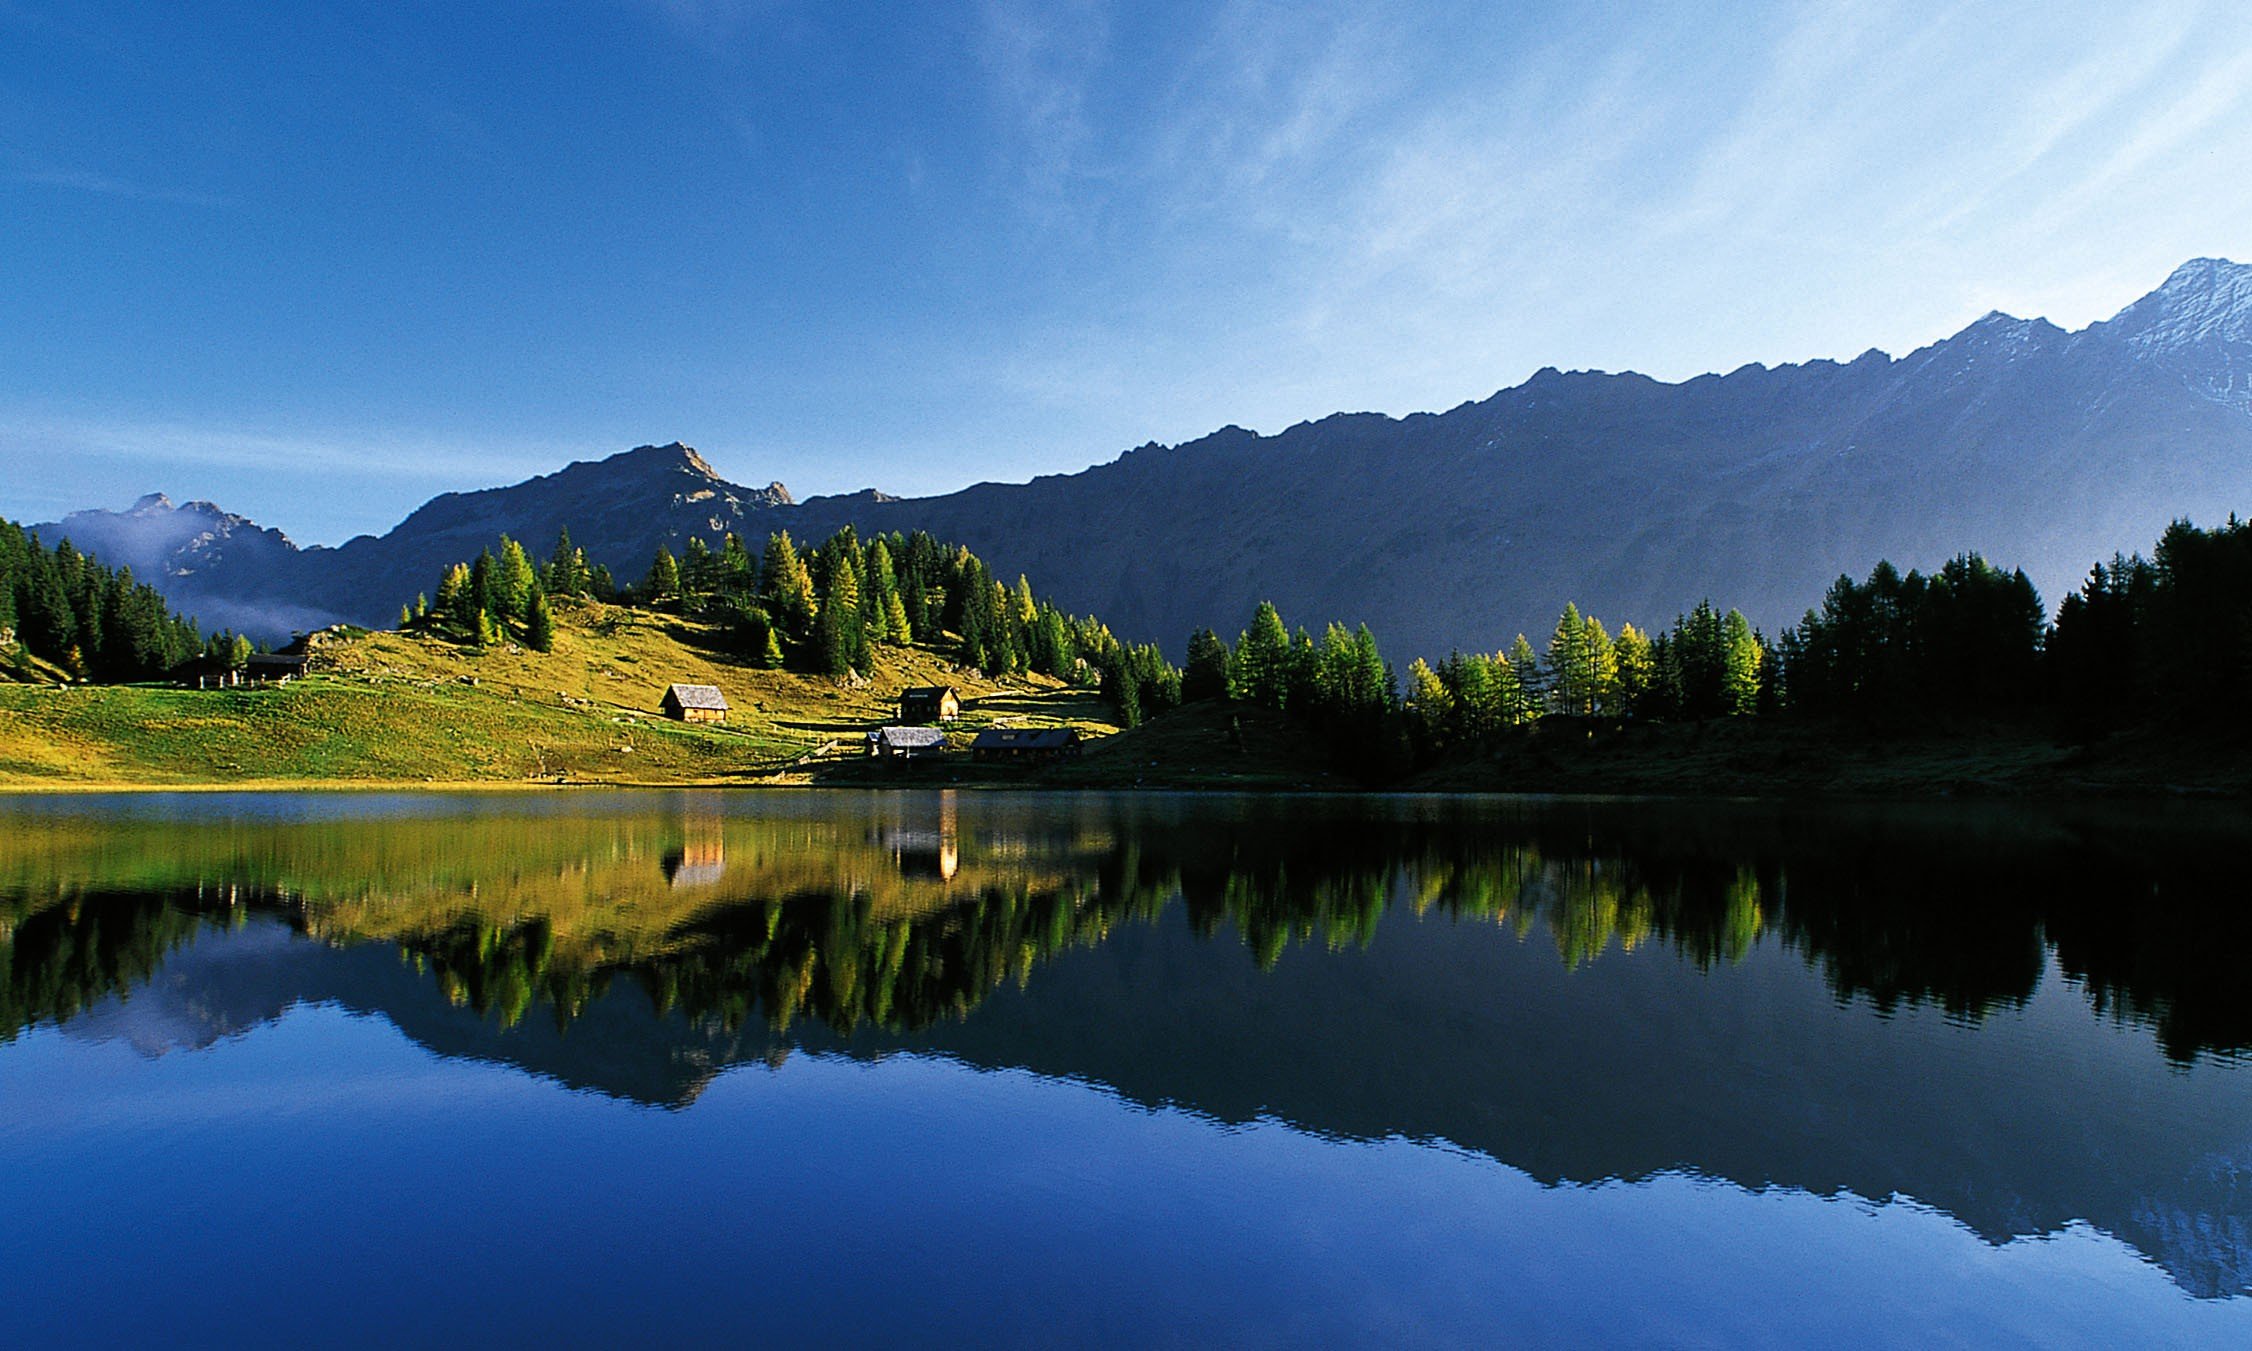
point(2042, 448)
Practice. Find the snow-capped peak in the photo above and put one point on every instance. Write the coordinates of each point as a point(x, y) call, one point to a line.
point(2206, 300)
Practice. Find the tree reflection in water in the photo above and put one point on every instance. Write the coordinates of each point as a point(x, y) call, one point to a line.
point(906, 910)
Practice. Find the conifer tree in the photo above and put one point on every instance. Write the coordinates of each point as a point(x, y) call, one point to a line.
point(1206, 675)
point(1636, 669)
point(738, 571)
point(663, 582)
point(786, 588)
point(513, 580)
point(1570, 670)
point(1530, 680)
point(839, 644)
point(1430, 709)
point(698, 568)
point(539, 623)
point(1602, 659)
point(481, 581)
point(457, 608)
point(566, 568)
point(1259, 670)
point(1741, 666)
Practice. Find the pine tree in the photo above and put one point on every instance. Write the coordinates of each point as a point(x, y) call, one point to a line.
point(513, 580)
point(456, 607)
point(698, 569)
point(1531, 682)
point(663, 582)
point(566, 567)
point(406, 617)
point(1602, 658)
point(786, 588)
point(539, 623)
point(738, 571)
point(1742, 662)
point(1430, 708)
point(837, 638)
point(1206, 675)
point(1635, 671)
point(1258, 671)
point(1570, 671)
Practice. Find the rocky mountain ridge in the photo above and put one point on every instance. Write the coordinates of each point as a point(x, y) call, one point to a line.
point(2041, 447)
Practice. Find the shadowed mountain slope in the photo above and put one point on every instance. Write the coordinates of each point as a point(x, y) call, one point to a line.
point(2042, 448)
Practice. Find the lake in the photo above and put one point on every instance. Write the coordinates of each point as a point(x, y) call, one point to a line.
point(990, 1068)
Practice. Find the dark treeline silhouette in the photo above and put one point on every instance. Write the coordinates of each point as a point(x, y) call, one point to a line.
point(1898, 910)
point(65, 608)
point(2168, 638)
point(822, 610)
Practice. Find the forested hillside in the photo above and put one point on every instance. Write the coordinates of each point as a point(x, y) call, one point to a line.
point(77, 618)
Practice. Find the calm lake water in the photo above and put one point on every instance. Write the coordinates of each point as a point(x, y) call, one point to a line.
point(943, 1068)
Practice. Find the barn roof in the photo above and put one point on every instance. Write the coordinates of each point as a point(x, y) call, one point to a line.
point(698, 696)
point(927, 692)
point(904, 738)
point(1026, 738)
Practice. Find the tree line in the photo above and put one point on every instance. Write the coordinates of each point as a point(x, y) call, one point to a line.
point(65, 608)
point(2172, 632)
point(821, 610)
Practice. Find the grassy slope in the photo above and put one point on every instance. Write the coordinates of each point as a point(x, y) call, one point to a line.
point(395, 708)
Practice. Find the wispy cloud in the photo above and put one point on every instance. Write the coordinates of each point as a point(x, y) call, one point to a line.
point(109, 185)
point(1411, 216)
point(1039, 61)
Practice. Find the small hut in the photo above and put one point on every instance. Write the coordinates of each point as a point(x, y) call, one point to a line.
point(695, 703)
point(273, 668)
point(906, 743)
point(929, 703)
point(1027, 745)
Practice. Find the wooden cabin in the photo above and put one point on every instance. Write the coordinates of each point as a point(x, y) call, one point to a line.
point(273, 668)
point(906, 743)
point(695, 703)
point(925, 704)
point(1027, 745)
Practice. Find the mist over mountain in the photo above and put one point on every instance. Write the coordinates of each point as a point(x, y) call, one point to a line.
point(2039, 447)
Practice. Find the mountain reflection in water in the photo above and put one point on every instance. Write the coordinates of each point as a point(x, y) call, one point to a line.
point(2023, 1017)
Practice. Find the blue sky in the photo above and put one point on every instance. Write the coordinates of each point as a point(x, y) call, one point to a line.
point(317, 262)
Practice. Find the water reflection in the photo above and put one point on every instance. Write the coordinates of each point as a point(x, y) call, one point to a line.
point(2024, 1017)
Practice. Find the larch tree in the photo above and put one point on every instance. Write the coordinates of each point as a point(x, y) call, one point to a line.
point(663, 583)
point(1206, 675)
point(786, 588)
point(1258, 670)
point(1636, 667)
point(1741, 663)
